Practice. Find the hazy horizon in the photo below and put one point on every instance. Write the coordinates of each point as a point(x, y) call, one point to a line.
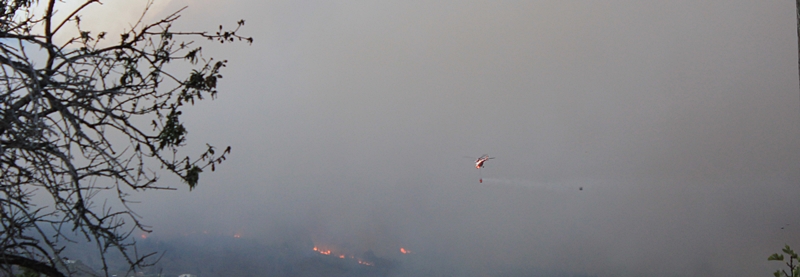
point(631, 138)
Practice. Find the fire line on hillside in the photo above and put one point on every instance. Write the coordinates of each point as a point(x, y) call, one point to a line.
point(328, 252)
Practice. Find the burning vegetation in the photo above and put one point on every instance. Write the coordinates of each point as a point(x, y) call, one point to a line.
point(323, 252)
point(328, 252)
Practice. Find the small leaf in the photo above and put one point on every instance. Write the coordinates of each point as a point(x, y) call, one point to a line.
point(775, 257)
point(192, 176)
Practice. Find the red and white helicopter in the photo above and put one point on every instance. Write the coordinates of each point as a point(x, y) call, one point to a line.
point(479, 164)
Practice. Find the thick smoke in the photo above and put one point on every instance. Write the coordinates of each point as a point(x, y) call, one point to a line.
point(348, 121)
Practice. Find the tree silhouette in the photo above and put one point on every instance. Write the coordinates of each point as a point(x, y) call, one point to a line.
point(794, 270)
point(84, 115)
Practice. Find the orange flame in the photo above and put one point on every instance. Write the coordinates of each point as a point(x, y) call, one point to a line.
point(323, 252)
point(365, 263)
point(404, 251)
point(342, 256)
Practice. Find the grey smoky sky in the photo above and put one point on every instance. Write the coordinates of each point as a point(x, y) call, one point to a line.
point(350, 120)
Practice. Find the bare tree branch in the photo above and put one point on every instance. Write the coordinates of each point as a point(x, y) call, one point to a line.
point(85, 126)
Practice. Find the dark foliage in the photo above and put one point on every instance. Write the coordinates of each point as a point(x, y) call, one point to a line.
point(794, 269)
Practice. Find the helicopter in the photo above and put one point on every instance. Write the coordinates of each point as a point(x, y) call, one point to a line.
point(479, 164)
